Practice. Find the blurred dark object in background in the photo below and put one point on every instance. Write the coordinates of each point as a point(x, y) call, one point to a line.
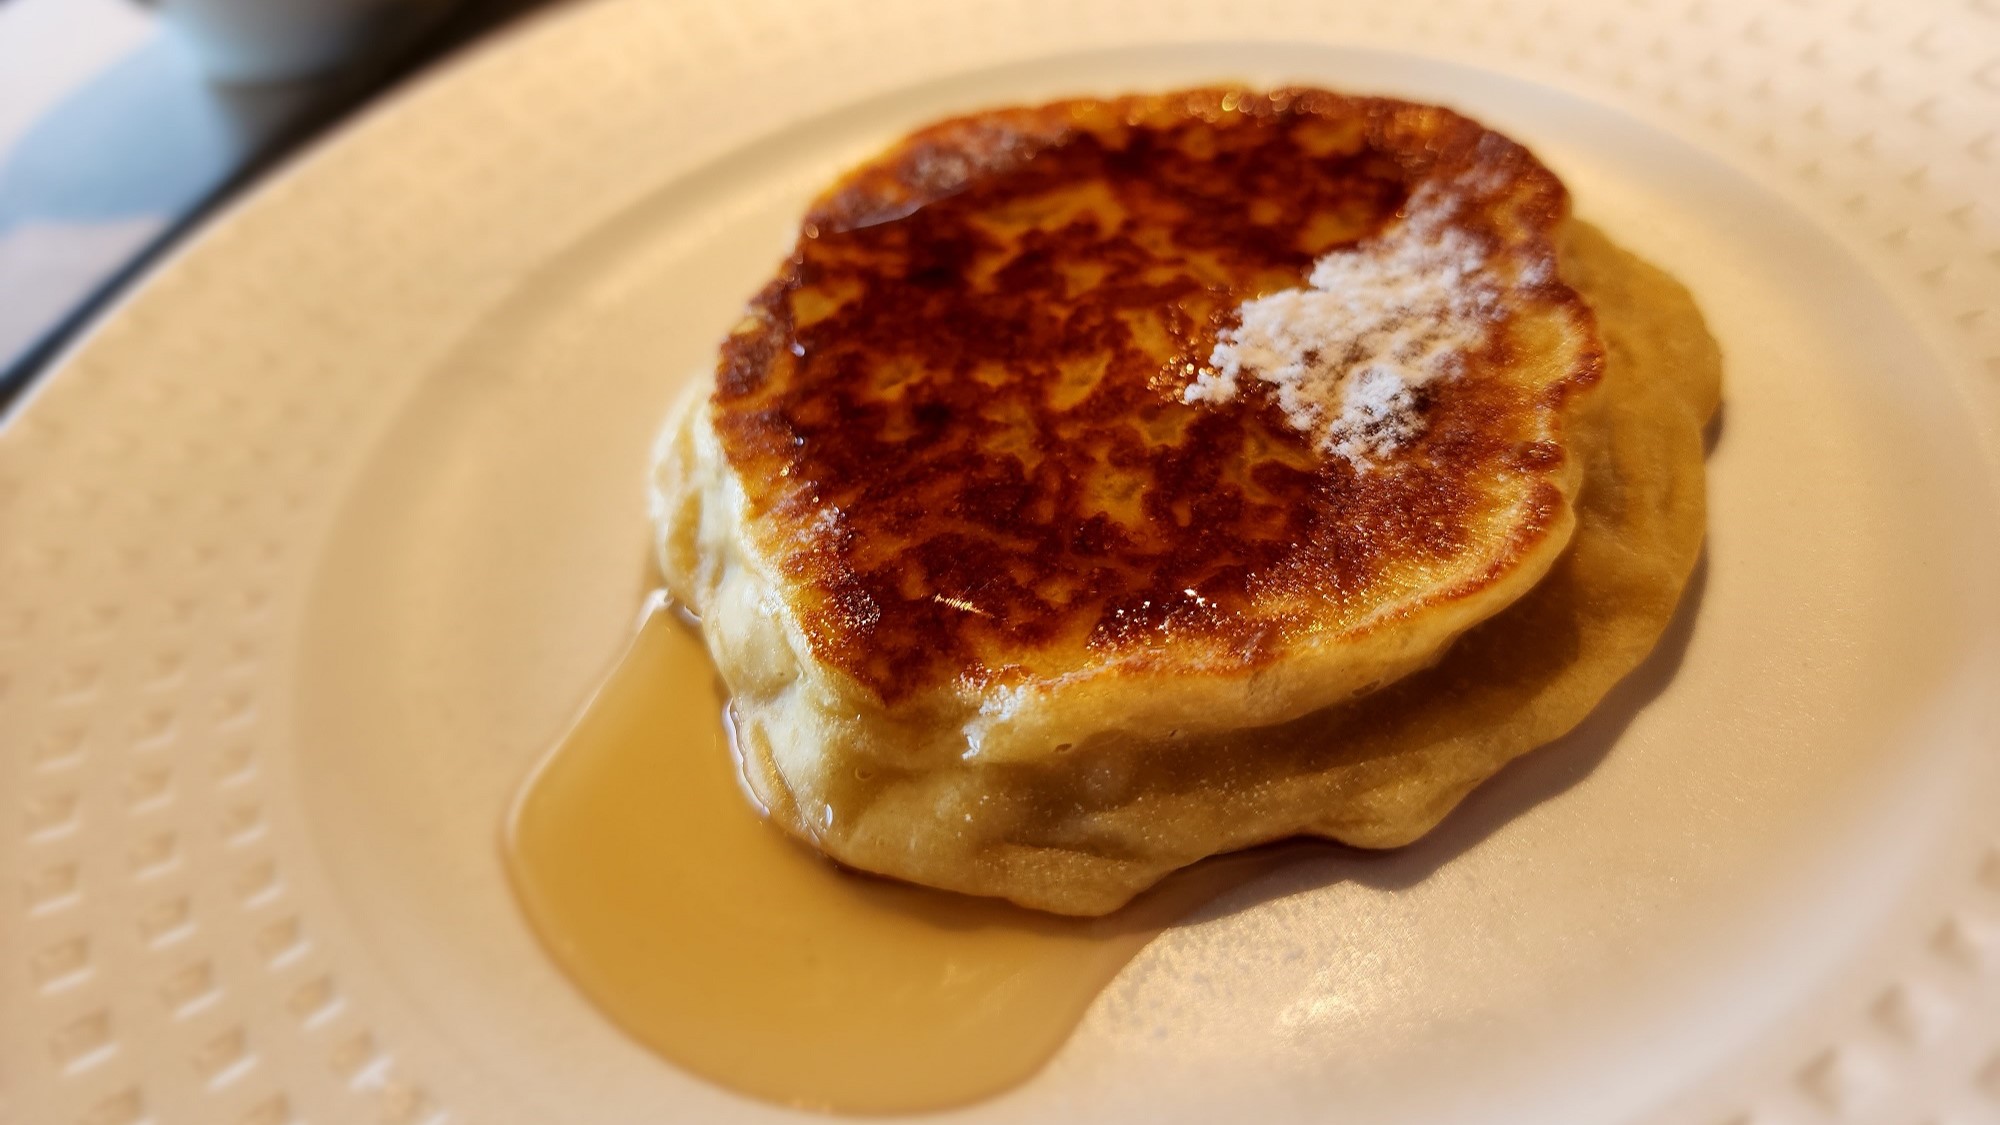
point(242, 42)
point(122, 125)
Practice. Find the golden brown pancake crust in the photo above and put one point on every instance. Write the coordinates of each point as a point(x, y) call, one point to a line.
point(956, 411)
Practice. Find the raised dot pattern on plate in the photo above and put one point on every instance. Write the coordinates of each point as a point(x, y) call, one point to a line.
point(148, 839)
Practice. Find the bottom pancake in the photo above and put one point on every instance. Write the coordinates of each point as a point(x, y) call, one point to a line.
point(1083, 831)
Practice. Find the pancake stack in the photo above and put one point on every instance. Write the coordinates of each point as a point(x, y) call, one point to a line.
point(1111, 483)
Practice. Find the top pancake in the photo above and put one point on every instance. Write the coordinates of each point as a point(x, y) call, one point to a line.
point(992, 459)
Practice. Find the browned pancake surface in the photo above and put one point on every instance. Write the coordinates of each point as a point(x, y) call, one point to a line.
point(956, 412)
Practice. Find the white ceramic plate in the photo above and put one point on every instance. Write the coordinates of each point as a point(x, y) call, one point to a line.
point(316, 543)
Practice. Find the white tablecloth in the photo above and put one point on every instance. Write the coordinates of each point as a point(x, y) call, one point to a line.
point(108, 134)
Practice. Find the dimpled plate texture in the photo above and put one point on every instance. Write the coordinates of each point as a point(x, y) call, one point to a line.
point(315, 543)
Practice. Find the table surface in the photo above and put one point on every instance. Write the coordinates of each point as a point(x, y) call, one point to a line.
point(113, 143)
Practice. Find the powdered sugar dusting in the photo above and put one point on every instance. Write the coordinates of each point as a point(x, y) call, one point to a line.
point(1380, 321)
